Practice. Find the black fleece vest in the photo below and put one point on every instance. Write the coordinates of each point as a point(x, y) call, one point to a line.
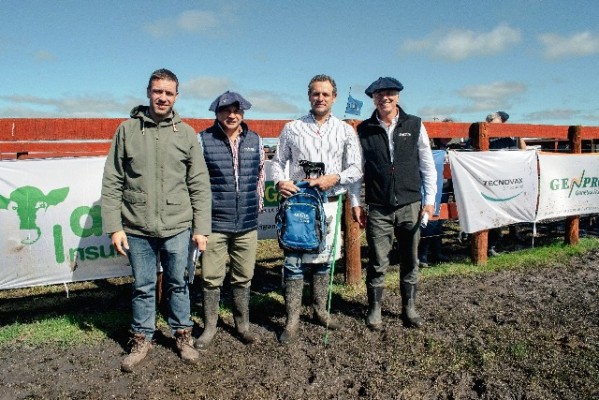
point(391, 184)
point(232, 211)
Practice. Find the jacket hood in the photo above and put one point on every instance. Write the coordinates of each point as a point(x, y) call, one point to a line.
point(143, 114)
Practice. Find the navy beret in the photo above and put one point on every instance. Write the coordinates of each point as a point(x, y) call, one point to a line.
point(503, 115)
point(383, 84)
point(228, 98)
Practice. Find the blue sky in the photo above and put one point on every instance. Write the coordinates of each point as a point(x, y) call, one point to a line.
point(535, 59)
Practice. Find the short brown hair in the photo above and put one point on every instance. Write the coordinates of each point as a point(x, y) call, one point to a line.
point(163, 73)
point(322, 78)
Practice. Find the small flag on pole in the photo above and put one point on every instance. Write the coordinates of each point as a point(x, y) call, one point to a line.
point(353, 106)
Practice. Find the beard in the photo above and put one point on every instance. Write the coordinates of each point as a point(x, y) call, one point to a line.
point(159, 114)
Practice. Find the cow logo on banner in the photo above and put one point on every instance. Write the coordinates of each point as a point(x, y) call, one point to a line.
point(51, 222)
point(27, 201)
point(51, 229)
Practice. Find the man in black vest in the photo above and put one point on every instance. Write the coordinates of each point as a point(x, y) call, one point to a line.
point(397, 162)
point(235, 159)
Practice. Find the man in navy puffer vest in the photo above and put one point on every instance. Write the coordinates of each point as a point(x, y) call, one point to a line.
point(235, 157)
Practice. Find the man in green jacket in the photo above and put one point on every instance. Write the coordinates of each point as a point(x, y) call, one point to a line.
point(156, 198)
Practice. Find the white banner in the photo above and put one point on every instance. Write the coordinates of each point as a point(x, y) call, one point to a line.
point(51, 229)
point(326, 256)
point(266, 219)
point(569, 185)
point(494, 188)
point(51, 225)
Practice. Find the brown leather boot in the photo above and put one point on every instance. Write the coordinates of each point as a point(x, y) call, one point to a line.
point(139, 350)
point(184, 342)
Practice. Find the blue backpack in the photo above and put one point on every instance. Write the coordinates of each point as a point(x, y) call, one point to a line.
point(301, 220)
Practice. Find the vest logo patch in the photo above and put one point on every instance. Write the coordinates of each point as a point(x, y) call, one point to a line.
point(404, 134)
point(252, 149)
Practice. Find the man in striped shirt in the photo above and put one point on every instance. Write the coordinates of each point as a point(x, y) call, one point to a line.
point(316, 137)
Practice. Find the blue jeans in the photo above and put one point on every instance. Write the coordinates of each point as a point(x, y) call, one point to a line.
point(293, 268)
point(144, 254)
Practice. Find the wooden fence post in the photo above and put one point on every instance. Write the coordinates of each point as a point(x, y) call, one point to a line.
point(353, 259)
point(351, 239)
point(479, 244)
point(571, 232)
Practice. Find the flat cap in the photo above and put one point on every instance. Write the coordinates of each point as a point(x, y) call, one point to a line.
point(228, 98)
point(503, 115)
point(383, 84)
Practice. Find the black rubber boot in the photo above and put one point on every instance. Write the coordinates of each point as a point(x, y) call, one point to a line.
point(423, 247)
point(320, 297)
point(241, 314)
point(211, 305)
point(374, 320)
point(408, 302)
point(436, 247)
point(294, 289)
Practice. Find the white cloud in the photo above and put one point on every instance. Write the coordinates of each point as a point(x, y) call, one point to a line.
point(459, 44)
point(89, 106)
point(437, 113)
point(271, 103)
point(194, 21)
point(554, 114)
point(493, 96)
point(197, 21)
point(579, 44)
point(205, 87)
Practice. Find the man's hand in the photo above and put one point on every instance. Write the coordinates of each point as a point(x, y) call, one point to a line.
point(119, 241)
point(287, 188)
point(359, 215)
point(325, 182)
point(201, 241)
point(428, 209)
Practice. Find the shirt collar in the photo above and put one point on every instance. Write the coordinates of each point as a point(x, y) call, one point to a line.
point(383, 124)
point(316, 122)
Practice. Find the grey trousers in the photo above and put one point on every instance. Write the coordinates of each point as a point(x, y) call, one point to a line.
point(384, 223)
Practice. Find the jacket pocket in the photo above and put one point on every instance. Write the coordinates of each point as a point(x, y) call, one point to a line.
point(135, 209)
point(178, 210)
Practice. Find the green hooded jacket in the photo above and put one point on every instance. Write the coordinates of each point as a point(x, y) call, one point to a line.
point(155, 179)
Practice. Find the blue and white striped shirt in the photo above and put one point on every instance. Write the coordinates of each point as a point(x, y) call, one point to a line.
point(333, 143)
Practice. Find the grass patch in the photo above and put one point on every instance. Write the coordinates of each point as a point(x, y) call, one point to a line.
point(553, 253)
point(63, 330)
point(519, 350)
point(46, 325)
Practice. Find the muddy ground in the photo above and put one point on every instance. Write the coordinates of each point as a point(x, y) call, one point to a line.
point(514, 334)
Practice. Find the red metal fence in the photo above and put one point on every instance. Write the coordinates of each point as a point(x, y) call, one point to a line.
point(22, 138)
